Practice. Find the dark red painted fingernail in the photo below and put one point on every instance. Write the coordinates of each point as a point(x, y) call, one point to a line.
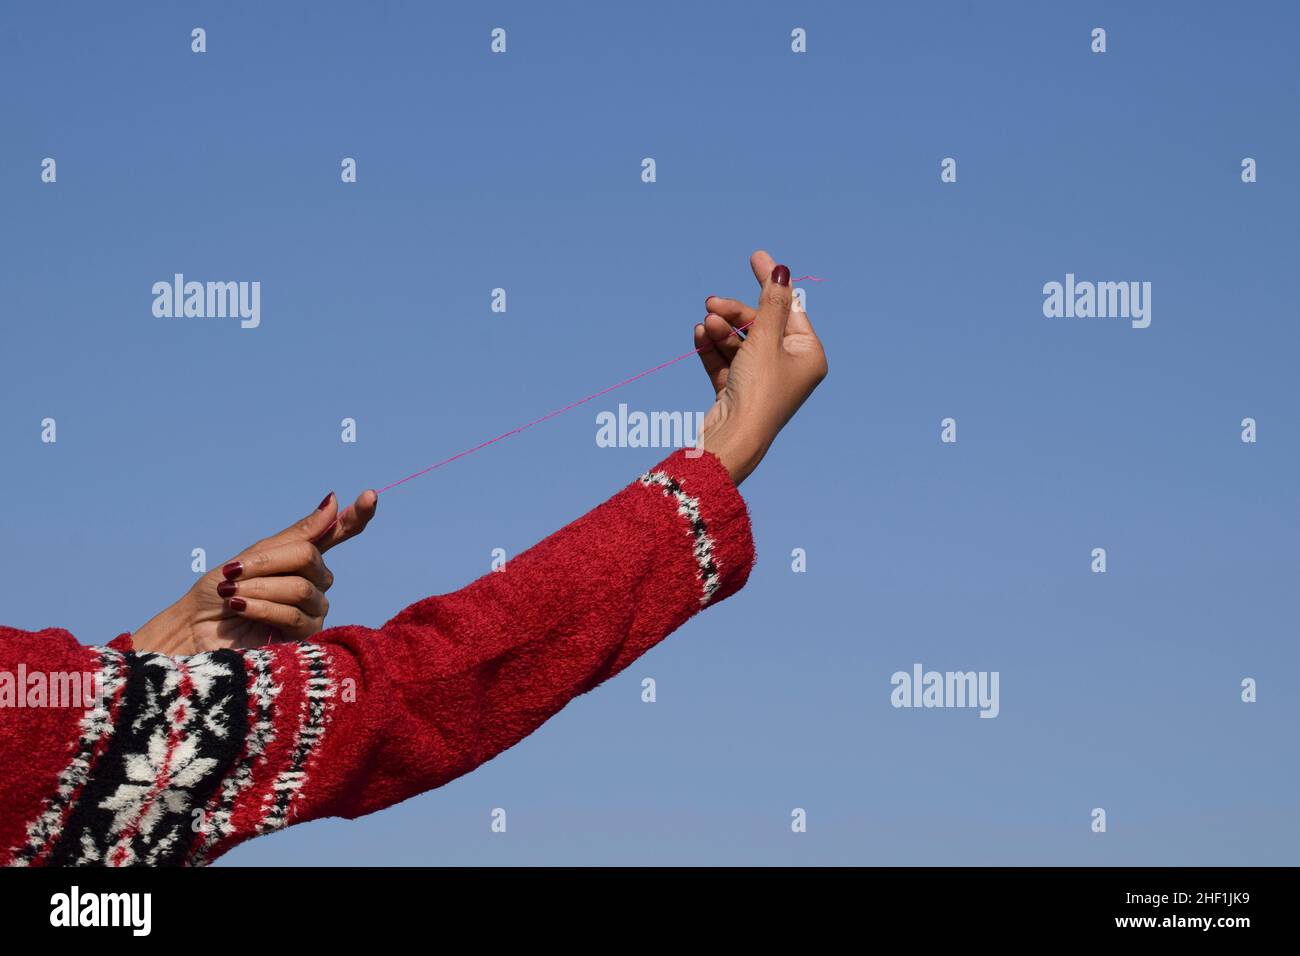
point(238, 604)
point(781, 275)
point(324, 501)
point(232, 570)
point(227, 588)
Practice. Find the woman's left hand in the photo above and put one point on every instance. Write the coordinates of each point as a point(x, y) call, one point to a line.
point(272, 591)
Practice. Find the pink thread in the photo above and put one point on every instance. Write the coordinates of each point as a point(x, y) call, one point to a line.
point(566, 408)
point(537, 421)
point(558, 411)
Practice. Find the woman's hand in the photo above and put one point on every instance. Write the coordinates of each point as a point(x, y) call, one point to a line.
point(761, 379)
point(274, 590)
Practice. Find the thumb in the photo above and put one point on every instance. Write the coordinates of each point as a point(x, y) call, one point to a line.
point(351, 521)
point(773, 309)
point(312, 526)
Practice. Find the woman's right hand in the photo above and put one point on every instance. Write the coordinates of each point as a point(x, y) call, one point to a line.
point(759, 380)
point(272, 591)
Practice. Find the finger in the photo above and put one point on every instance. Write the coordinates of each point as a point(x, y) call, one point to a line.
point(762, 265)
point(292, 622)
point(236, 633)
point(280, 589)
point(715, 366)
point(308, 528)
point(726, 339)
point(296, 557)
point(733, 310)
point(799, 323)
point(773, 307)
point(351, 522)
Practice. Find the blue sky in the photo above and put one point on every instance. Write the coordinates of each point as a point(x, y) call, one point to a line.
point(522, 171)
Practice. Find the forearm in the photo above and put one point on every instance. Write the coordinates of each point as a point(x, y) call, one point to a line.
point(462, 677)
point(222, 746)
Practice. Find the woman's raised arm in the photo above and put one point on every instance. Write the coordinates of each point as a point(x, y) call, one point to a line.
point(179, 758)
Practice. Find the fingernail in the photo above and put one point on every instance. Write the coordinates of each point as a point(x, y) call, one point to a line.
point(232, 570)
point(238, 604)
point(781, 275)
point(227, 588)
point(324, 501)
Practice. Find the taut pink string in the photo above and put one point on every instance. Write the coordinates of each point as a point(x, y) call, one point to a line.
point(560, 411)
point(572, 405)
point(537, 421)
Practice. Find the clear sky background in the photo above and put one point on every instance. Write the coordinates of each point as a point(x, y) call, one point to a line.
point(476, 171)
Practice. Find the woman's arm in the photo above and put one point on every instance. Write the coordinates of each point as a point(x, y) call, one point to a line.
point(454, 680)
point(182, 758)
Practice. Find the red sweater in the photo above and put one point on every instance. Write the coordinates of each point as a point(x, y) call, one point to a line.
point(179, 759)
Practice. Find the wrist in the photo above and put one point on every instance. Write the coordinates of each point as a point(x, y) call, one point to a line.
point(738, 449)
point(167, 632)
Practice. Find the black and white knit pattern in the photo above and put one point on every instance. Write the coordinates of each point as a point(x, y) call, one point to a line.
point(217, 820)
point(96, 728)
point(689, 508)
point(314, 714)
point(179, 724)
point(169, 753)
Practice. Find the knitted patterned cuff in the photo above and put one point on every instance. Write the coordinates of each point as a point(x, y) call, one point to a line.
point(716, 519)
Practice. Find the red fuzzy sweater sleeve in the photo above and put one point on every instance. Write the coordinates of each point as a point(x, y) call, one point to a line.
point(178, 759)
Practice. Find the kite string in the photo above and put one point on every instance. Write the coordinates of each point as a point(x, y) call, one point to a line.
point(560, 411)
point(537, 421)
point(572, 405)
